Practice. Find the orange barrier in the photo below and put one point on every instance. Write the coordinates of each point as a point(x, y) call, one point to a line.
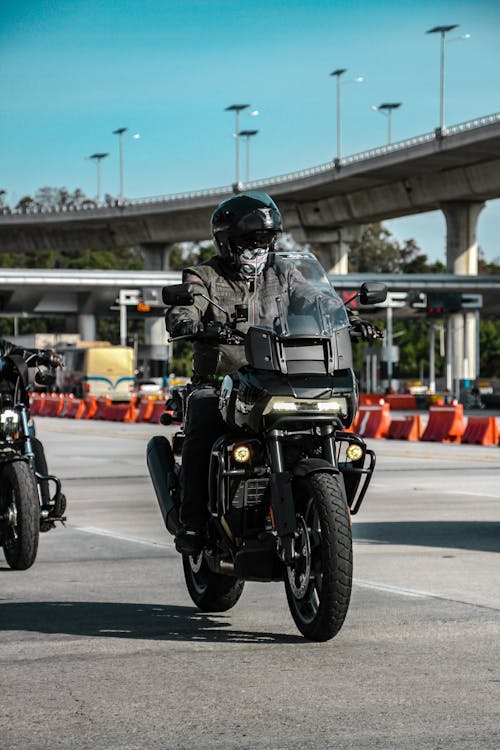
point(68, 399)
point(409, 428)
point(401, 400)
point(157, 411)
point(51, 405)
point(446, 424)
point(104, 408)
point(145, 409)
point(36, 403)
point(90, 407)
point(373, 421)
point(74, 408)
point(481, 431)
point(371, 399)
point(119, 411)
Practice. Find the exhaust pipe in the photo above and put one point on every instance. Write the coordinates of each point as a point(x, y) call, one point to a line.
point(161, 467)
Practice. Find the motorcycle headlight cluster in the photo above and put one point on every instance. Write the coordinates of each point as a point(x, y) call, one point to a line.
point(335, 406)
point(9, 423)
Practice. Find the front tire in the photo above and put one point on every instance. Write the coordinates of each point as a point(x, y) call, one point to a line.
point(211, 592)
point(318, 586)
point(20, 508)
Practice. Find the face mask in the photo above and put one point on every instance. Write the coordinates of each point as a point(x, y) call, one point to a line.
point(252, 262)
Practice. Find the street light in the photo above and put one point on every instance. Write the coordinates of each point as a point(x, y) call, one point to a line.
point(359, 79)
point(236, 108)
point(98, 158)
point(119, 132)
point(387, 109)
point(247, 134)
point(442, 30)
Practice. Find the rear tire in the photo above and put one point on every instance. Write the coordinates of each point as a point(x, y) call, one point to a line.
point(211, 592)
point(19, 499)
point(318, 586)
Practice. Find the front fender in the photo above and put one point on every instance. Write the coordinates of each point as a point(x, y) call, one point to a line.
point(312, 466)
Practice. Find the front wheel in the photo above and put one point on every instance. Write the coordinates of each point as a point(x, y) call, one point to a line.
point(318, 586)
point(211, 592)
point(20, 511)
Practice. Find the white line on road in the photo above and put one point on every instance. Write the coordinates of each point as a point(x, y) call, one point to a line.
point(392, 589)
point(124, 537)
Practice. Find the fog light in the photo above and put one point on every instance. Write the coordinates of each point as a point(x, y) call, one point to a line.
point(242, 454)
point(355, 452)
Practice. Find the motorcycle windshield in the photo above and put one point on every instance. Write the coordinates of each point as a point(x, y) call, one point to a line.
point(293, 297)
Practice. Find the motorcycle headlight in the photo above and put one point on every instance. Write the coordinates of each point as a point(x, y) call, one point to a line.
point(335, 406)
point(9, 422)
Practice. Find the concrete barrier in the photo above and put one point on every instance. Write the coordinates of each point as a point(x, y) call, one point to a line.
point(401, 401)
point(409, 428)
point(373, 421)
point(481, 431)
point(36, 403)
point(446, 424)
point(145, 409)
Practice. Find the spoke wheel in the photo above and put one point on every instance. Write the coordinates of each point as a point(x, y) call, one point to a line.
point(211, 592)
point(318, 586)
point(20, 510)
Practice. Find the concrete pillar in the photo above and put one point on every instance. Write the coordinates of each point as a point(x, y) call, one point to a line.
point(87, 326)
point(156, 255)
point(462, 260)
point(461, 245)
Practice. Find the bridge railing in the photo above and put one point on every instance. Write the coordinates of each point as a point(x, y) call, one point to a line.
point(373, 153)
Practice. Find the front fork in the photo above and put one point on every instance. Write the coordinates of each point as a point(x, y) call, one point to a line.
point(282, 500)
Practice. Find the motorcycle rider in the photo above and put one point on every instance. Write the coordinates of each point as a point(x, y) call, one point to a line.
point(245, 229)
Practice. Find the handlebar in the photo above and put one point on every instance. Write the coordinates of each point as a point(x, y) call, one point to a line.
point(216, 333)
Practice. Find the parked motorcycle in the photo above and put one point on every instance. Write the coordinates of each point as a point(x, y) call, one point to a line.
point(287, 476)
point(30, 498)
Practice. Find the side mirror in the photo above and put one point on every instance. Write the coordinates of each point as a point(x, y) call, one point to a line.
point(178, 294)
point(372, 292)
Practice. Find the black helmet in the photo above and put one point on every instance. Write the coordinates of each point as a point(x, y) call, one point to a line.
point(243, 222)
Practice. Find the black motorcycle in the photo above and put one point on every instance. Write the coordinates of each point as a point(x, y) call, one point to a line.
point(30, 498)
point(286, 477)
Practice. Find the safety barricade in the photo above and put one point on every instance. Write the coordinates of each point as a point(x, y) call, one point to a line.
point(51, 405)
point(401, 401)
point(75, 408)
point(145, 409)
point(408, 428)
point(103, 408)
point(120, 411)
point(36, 402)
point(157, 411)
point(446, 424)
point(481, 431)
point(67, 406)
point(373, 421)
point(90, 407)
point(371, 399)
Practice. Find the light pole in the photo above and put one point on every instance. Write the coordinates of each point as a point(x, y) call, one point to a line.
point(119, 132)
point(236, 108)
point(387, 109)
point(98, 158)
point(247, 134)
point(442, 30)
point(338, 73)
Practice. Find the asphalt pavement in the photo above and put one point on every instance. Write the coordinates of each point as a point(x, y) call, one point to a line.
point(101, 647)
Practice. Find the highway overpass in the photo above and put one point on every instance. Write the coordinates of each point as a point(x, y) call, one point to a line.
point(456, 172)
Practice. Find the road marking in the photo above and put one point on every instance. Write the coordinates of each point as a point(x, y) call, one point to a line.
point(392, 589)
point(469, 494)
point(124, 537)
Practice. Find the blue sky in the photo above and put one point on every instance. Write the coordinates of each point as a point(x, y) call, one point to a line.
point(73, 71)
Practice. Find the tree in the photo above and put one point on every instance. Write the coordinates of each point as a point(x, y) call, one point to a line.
point(377, 251)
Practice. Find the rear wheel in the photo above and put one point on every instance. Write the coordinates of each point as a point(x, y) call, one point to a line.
point(20, 510)
point(211, 592)
point(318, 586)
